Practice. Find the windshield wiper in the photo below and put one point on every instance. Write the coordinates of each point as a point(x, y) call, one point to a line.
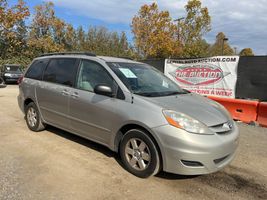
point(148, 94)
point(186, 91)
point(175, 93)
point(160, 94)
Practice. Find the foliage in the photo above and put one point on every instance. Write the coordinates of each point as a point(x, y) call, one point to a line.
point(246, 52)
point(221, 46)
point(195, 25)
point(48, 33)
point(199, 48)
point(12, 28)
point(21, 60)
point(154, 33)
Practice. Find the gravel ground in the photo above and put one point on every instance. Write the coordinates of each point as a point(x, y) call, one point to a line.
point(54, 164)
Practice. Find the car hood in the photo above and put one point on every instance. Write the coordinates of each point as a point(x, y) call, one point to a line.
point(193, 105)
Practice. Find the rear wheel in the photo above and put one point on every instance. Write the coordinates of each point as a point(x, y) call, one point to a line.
point(33, 119)
point(139, 154)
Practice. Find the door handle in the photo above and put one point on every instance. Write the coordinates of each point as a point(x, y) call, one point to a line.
point(65, 93)
point(75, 95)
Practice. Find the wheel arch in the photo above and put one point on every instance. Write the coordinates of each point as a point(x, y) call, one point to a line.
point(146, 130)
point(27, 102)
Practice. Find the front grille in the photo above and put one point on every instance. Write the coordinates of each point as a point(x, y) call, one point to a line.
point(15, 75)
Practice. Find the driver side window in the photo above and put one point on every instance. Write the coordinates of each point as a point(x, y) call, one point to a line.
point(92, 74)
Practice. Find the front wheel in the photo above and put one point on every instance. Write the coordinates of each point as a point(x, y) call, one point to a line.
point(139, 154)
point(33, 118)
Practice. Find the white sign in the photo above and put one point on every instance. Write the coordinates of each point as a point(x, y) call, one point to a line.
point(127, 73)
point(213, 76)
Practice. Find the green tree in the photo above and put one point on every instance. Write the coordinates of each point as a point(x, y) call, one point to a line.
point(221, 46)
point(195, 25)
point(80, 39)
point(103, 42)
point(154, 33)
point(246, 52)
point(114, 44)
point(70, 38)
point(91, 39)
point(124, 47)
point(199, 48)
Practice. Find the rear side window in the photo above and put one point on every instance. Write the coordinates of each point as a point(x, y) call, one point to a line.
point(36, 69)
point(61, 71)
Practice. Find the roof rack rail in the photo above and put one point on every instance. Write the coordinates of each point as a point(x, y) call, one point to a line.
point(68, 53)
point(125, 57)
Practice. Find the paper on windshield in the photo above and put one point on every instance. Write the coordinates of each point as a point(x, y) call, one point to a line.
point(127, 73)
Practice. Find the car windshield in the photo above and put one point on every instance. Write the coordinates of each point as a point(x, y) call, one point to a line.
point(145, 80)
point(12, 68)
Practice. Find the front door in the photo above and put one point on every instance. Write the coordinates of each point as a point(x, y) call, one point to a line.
point(93, 115)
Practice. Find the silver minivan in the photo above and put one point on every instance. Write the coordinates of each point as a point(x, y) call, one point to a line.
point(131, 108)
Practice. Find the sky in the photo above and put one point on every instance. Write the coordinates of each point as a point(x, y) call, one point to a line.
point(244, 22)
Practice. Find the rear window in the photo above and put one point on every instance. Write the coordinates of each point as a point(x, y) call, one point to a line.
point(36, 69)
point(61, 71)
point(10, 68)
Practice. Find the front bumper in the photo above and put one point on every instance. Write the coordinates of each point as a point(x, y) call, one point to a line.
point(11, 79)
point(193, 154)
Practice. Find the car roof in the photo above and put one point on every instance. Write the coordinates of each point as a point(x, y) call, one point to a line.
point(12, 65)
point(86, 55)
point(116, 59)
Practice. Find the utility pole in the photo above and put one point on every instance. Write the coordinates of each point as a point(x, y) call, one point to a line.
point(178, 26)
point(235, 48)
point(224, 39)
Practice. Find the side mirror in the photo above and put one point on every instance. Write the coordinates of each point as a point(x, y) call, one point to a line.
point(103, 90)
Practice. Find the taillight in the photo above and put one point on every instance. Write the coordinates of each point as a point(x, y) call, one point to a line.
point(20, 80)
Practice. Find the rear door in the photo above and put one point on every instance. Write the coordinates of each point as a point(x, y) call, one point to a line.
point(54, 91)
point(92, 115)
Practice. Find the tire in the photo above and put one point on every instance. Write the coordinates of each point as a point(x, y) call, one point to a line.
point(139, 154)
point(33, 118)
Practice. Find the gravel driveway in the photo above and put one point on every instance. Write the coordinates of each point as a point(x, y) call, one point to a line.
point(54, 164)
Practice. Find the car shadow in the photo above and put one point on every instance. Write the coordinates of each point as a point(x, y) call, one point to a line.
point(82, 141)
point(107, 152)
point(171, 176)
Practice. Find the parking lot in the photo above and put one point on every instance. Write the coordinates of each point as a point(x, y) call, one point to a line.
point(54, 164)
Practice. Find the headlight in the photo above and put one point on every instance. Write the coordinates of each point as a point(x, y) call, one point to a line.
point(185, 122)
point(7, 74)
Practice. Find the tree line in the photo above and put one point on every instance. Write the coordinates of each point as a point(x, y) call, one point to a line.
point(25, 35)
point(156, 34)
point(45, 33)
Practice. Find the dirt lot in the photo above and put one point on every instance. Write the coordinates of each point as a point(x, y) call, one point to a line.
point(54, 164)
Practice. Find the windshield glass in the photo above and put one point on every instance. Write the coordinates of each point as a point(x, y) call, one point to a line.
point(145, 80)
point(12, 68)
